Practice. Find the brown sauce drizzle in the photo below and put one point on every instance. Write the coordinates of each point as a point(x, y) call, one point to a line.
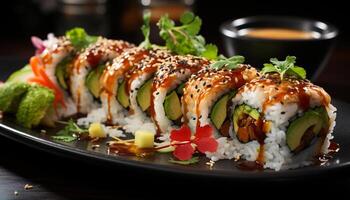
point(332, 150)
point(226, 78)
point(290, 87)
point(150, 68)
point(168, 74)
point(114, 72)
point(124, 149)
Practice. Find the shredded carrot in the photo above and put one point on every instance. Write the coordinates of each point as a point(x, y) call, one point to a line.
point(42, 79)
point(35, 64)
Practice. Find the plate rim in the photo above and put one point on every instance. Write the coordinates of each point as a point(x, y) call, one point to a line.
point(47, 146)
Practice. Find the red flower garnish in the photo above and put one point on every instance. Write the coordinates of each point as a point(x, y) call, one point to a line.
point(184, 151)
point(203, 139)
point(182, 141)
point(182, 134)
point(204, 131)
point(206, 144)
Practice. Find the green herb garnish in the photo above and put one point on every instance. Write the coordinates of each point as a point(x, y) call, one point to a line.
point(191, 161)
point(229, 63)
point(79, 38)
point(65, 138)
point(284, 67)
point(146, 29)
point(184, 39)
point(70, 133)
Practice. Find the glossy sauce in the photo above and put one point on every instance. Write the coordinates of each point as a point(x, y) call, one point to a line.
point(292, 88)
point(168, 74)
point(332, 150)
point(130, 150)
point(279, 33)
point(227, 78)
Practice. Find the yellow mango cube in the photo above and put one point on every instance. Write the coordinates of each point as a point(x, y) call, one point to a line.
point(144, 139)
point(96, 131)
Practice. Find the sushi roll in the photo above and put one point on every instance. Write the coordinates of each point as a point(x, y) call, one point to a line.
point(47, 72)
point(87, 69)
point(47, 67)
point(167, 89)
point(281, 119)
point(207, 96)
point(113, 100)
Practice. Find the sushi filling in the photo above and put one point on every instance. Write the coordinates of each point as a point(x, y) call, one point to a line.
point(220, 113)
point(304, 130)
point(92, 81)
point(172, 104)
point(122, 95)
point(143, 96)
point(62, 72)
point(249, 125)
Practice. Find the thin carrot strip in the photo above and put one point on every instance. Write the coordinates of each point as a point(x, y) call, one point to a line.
point(35, 65)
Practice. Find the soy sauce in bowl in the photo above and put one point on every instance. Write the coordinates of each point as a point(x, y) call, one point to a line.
point(279, 33)
point(260, 38)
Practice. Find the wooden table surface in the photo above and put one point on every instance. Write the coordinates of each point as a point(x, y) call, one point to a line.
point(54, 177)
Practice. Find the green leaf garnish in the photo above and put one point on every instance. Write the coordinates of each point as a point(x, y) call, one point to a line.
point(184, 39)
point(70, 133)
point(146, 31)
point(229, 63)
point(79, 38)
point(210, 52)
point(284, 67)
point(64, 138)
point(191, 161)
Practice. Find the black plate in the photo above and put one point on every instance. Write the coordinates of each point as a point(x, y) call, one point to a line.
point(224, 169)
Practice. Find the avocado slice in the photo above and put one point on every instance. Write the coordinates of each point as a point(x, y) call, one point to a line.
point(93, 80)
point(172, 106)
point(324, 115)
point(122, 96)
point(61, 72)
point(21, 75)
point(240, 111)
point(303, 129)
point(61, 76)
point(143, 96)
point(219, 112)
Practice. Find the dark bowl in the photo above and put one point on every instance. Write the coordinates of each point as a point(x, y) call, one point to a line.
point(311, 53)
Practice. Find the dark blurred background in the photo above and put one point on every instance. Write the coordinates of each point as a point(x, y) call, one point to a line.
point(21, 19)
point(121, 19)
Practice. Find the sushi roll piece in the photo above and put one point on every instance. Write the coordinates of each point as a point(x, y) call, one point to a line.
point(87, 69)
point(208, 94)
point(167, 89)
point(281, 119)
point(113, 96)
point(48, 69)
point(138, 83)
